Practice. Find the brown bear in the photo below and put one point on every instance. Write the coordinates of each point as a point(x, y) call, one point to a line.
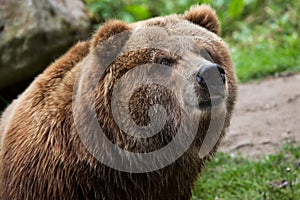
point(134, 113)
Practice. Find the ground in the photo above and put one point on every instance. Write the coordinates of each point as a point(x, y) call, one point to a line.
point(267, 116)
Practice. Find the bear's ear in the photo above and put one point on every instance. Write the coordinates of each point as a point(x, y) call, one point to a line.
point(110, 28)
point(205, 16)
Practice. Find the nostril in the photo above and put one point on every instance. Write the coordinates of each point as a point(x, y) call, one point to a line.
point(222, 73)
point(221, 70)
point(200, 79)
point(212, 72)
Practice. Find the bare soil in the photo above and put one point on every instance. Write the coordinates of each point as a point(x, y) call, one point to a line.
point(267, 116)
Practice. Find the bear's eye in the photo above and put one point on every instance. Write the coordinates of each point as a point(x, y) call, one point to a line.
point(166, 61)
point(206, 54)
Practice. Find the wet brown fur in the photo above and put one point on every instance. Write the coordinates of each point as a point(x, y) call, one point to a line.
point(42, 157)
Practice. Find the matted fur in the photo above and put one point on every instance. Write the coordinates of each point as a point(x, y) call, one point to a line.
point(42, 156)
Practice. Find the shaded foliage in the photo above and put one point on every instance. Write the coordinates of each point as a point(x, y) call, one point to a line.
point(133, 10)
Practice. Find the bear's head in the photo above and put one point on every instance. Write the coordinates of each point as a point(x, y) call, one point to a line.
point(163, 84)
point(133, 113)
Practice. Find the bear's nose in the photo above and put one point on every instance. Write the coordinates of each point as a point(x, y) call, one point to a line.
point(212, 73)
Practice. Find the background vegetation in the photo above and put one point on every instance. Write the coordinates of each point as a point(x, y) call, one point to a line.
point(271, 178)
point(262, 34)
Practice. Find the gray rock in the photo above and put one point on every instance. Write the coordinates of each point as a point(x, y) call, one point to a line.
point(34, 32)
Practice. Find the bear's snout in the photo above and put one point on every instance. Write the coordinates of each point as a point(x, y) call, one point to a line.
point(213, 73)
point(211, 84)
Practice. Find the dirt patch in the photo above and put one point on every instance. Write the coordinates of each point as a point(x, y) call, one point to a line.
point(267, 116)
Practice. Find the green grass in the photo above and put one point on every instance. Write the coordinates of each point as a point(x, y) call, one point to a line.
point(259, 54)
point(257, 64)
point(229, 178)
point(266, 42)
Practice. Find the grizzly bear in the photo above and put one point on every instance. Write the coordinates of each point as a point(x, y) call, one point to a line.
point(133, 113)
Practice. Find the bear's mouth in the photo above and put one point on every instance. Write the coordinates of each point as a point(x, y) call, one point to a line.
point(210, 98)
